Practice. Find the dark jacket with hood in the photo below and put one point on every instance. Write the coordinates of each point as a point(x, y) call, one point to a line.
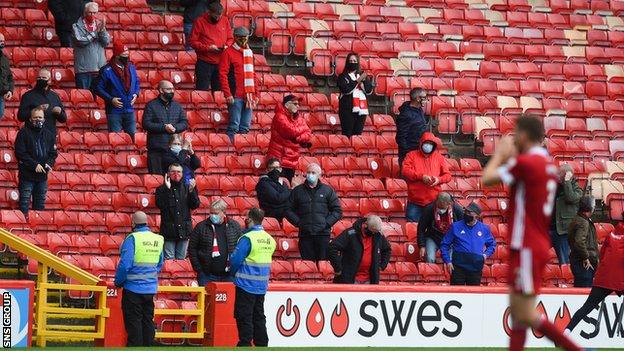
point(345, 254)
point(201, 245)
point(313, 210)
point(158, 113)
point(583, 241)
point(36, 97)
point(426, 224)
point(34, 147)
point(272, 197)
point(175, 206)
point(194, 9)
point(6, 76)
point(411, 123)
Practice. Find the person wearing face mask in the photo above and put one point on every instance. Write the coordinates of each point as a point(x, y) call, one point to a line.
point(424, 170)
point(35, 151)
point(6, 77)
point(66, 13)
point(182, 153)
point(211, 243)
point(162, 118)
point(238, 83)
point(359, 253)
point(313, 208)
point(118, 85)
point(176, 200)
point(211, 35)
point(89, 39)
point(471, 243)
point(411, 123)
point(272, 194)
point(44, 97)
point(435, 221)
point(289, 133)
point(583, 244)
point(354, 85)
point(192, 10)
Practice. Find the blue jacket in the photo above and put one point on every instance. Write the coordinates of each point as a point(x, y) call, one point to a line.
point(237, 260)
point(126, 266)
point(411, 123)
point(110, 86)
point(467, 244)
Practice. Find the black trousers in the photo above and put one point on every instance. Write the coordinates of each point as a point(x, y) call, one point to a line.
point(250, 319)
point(207, 76)
point(461, 276)
point(313, 248)
point(596, 296)
point(351, 123)
point(64, 36)
point(288, 173)
point(154, 162)
point(138, 312)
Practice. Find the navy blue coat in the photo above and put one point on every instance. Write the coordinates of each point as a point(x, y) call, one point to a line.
point(411, 123)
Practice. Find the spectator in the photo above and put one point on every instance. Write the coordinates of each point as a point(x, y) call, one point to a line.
point(569, 194)
point(436, 220)
point(251, 266)
point(354, 85)
point(411, 123)
point(118, 86)
point(176, 200)
point(35, 151)
point(212, 242)
point(46, 98)
point(467, 239)
point(240, 92)
point(360, 252)
point(583, 244)
point(162, 117)
point(192, 10)
point(289, 132)
point(89, 38)
point(6, 77)
point(313, 208)
point(66, 13)
point(272, 194)
point(210, 36)
point(181, 153)
point(425, 170)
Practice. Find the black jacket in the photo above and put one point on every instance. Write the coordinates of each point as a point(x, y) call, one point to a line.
point(189, 162)
point(345, 254)
point(34, 147)
point(272, 197)
point(411, 123)
point(194, 9)
point(36, 97)
point(66, 12)
point(346, 86)
point(313, 210)
point(201, 240)
point(426, 224)
point(175, 206)
point(6, 76)
point(156, 115)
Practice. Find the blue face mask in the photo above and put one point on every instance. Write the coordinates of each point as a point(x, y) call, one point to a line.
point(427, 148)
point(215, 219)
point(311, 178)
point(176, 149)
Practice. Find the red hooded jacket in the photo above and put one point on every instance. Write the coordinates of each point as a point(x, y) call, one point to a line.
point(417, 165)
point(287, 135)
point(610, 274)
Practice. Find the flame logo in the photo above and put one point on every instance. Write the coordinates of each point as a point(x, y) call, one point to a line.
point(506, 319)
point(290, 310)
point(541, 310)
point(315, 322)
point(340, 320)
point(562, 318)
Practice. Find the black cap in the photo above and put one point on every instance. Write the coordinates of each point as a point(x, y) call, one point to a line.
point(289, 98)
point(473, 207)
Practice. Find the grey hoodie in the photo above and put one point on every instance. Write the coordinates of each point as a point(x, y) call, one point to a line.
point(88, 48)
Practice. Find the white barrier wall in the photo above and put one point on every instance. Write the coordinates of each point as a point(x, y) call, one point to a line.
point(442, 317)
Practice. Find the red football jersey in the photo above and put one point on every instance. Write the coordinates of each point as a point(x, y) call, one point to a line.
point(533, 180)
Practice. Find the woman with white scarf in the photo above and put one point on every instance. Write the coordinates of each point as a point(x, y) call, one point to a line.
point(354, 85)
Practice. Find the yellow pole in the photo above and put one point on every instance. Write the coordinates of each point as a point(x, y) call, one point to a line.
point(42, 301)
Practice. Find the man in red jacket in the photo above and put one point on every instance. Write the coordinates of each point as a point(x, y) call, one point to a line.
point(240, 92)
point(211, 35)
point(424, 171)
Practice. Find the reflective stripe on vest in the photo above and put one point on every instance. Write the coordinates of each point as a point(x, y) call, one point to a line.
point(148, 249)
point(257, 265)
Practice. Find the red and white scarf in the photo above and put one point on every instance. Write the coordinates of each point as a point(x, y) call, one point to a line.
point(360, 104)
point(443, 224)
point(248, 69)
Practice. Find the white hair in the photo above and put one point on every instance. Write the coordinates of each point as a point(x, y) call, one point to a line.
point(219, 205)
point(374, 222)
point(92, 5)
point(315, 166)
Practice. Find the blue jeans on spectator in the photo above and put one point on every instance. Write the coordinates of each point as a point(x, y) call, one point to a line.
point(84, 80)
point(176, 249)
point(203, 278)
point(561, 246)
point(1, 107)
point(583, 278)
point(240, 118)
point(36, 190)
point(188, 27)
point(413, 212)
point(431, 247)
point(122, 121)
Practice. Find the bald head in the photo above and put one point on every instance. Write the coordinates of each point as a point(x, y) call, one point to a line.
point(374, 223)
point(44, 73)
point(165, 84)
point(139, 218)
point(166, 90)
point(314, 167)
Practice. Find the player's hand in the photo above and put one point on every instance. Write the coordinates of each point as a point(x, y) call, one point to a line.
point(505, 149)
point(8, 95)
point(167, 181)
point(434, 182)
point(427, 179)
point(39, 169)
point(57, 110)
point(587, 265)
point(449, 267)
point(117, 102)
point(192, 185)
point(170, 128)
point(423, 253)
point(229, 100)
point(568, 176)
point(44, 106)
point(214, 48)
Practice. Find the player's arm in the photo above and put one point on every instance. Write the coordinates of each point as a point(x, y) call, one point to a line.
point(497, 171)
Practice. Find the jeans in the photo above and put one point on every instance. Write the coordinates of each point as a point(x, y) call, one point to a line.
point(188, 27)
point(1, 107)
point(583, 278)
point(84, 80)
point(175, 249)
point(561, 246)
point(36, 190)
point(240, 118)
point(138, 312)
point(203, 278)
point(250, 319)
point(413, 212)
point(431, 247)
point(119, 121)
point(207, 76)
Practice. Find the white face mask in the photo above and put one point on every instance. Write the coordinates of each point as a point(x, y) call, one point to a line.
point(442, 210)
point(176, 149)
point(427, 148)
